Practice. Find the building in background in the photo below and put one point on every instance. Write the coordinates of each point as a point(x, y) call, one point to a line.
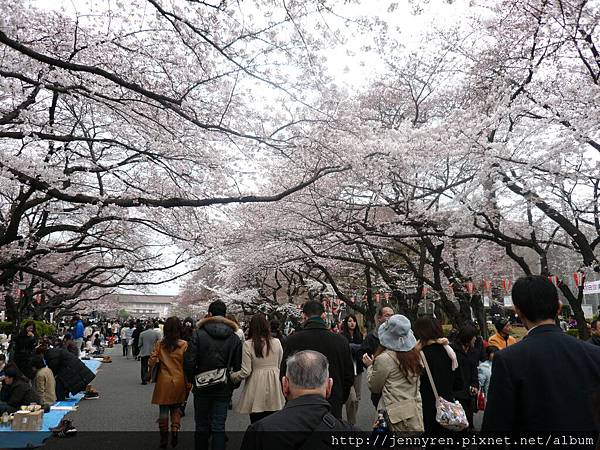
point(143, 305)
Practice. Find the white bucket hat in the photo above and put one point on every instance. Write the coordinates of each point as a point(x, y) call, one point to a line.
point(395, 334)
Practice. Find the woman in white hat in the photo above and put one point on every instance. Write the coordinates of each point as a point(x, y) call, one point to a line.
point(394, 371)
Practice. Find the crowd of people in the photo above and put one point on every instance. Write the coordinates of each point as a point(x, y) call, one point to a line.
point(298, 385)
point(310, 381)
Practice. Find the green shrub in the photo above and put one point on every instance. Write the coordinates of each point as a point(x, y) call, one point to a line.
point(573, 332)
point(42, 328)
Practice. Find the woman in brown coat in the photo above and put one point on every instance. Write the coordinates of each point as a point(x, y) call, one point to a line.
point(171, 389)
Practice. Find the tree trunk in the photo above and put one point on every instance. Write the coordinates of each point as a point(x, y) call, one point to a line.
point(575, 303)
point(479, 312)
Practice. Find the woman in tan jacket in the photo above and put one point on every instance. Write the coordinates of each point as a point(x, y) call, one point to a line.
point(394, 371)
point(261, 358)
point(171, 389)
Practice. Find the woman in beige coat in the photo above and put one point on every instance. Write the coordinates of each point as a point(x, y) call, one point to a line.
point(261, 359)
point(395, 372)
point(171, 389)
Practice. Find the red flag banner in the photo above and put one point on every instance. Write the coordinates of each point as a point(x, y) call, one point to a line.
point(553, 279)
point(579, 277)
point(377, 297)
point(470, 286)
point(506, 285)
point(487, 285)
point(425, 292)
point(386, 296)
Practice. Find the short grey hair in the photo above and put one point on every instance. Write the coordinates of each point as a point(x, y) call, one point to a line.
point(307, 369)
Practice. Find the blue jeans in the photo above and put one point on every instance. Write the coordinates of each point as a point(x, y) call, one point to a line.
point(210, 415)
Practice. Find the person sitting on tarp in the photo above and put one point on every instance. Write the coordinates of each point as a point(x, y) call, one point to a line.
point(17, 391)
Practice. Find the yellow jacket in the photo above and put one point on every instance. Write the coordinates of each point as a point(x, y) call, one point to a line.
point(498, 341)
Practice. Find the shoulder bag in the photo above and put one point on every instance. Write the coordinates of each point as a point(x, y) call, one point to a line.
point(449, 415)
point(212, 377)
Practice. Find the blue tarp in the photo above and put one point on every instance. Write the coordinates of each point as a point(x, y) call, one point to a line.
point(28, 439)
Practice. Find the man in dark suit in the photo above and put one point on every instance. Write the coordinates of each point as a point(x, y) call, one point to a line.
point(305, 422)
point(546, 382)
point(315, 335)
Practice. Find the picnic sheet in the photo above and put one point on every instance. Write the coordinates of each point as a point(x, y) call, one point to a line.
point(28, 439)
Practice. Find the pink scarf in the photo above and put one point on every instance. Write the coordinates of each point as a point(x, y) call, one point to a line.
point(449, 351)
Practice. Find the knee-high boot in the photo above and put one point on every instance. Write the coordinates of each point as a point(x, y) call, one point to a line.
point(175, 426)
point(163, 426)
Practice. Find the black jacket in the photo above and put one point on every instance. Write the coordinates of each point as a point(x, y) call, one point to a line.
point(291, 427)
point(21, 393)
point(468, 371)
point(368, 347)
point(24, 349)
point(545, 383)
point(214, 345)
point(355, 342)
point(315, 336)
point(68, 369)
point(447, 381)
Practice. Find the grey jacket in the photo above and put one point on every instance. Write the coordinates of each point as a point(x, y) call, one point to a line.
point(147, 340)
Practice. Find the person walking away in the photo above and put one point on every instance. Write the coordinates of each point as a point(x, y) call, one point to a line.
point(306, 417)
point(547, 382)
point(147, 342)
point(17, 391)
point(371, 342)
point(78, 330)
point(394, 371)
point(467, 395)
point(126, 333)
point(171, 389)
point(25, 344)
point(595, 330)
point(502, 338)
point(443, 365)
point(135, 339)
point(43, 381)
point(261, 358)
point(214, 346)
point(484, 371)
point(188, 329)
point(351, 331)
point(315, 335)
point(116, 329)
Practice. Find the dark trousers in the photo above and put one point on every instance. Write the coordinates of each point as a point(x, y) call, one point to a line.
point(144, 368)
point(210, 415)
point(125, 348)
point(255, 417)
point(61, 392)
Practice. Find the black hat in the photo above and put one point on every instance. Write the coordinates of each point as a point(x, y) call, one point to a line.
point(500, 324)
point(12, 372)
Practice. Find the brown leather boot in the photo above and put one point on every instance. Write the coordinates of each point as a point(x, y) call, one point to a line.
point(163, 426)
point(175, 426)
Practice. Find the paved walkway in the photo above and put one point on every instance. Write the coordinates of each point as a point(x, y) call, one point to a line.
point(123, 416)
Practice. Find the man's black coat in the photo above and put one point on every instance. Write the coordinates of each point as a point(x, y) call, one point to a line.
point(315, 336)
point(291, 427)
point(545, 383)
